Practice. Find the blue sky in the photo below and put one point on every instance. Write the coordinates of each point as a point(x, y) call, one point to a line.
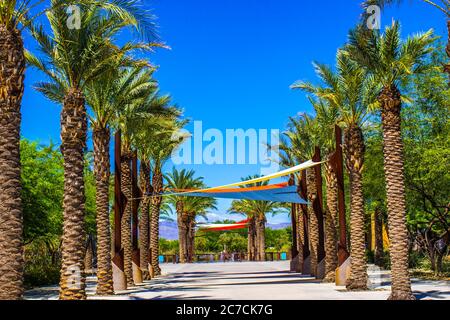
point(232, 62)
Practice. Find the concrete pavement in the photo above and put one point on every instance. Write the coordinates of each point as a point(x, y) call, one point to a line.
point(252, 280)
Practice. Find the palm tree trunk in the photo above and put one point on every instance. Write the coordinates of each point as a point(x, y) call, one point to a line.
point(126, 218)
point(157, 184)
point(187, 225)
point(313, 223)
point(261, 242)
point(73, 136)
point(378, 237)
point(12, 69)
point(101, 139)
point(192, 239)
point(390, 100)
point(144, 224)
point(251, 239)
point(181, 231)
point(189, 239)
point(331, 259)
point(300, 235)
point(354, 151)
point(256, 246)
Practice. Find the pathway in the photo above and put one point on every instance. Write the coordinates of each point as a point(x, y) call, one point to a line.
point(252, 280)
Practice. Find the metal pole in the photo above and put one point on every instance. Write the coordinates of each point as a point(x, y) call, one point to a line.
point(294, 222)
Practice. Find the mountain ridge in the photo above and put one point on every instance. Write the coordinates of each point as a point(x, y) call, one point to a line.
point(169, 229)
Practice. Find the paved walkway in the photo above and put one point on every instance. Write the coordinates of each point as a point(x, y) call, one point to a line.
point(252, 280)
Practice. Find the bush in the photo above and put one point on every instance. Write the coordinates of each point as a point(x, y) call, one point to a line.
point(415, 259)
point(42, 264)
point(36, 275)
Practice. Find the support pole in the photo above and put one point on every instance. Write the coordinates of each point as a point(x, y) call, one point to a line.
point(295, 264)
point(117, 261)
point(294, 222)
point(318, 210)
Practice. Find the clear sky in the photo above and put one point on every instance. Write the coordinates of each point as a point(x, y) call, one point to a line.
point(232, 62)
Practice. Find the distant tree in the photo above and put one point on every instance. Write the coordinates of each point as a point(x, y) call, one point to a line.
point(232, 242)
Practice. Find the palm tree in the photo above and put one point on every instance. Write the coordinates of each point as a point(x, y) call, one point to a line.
point(350, 90)
point(181, 181)
point(391, 62)
point(194, 207)
point(256, 211)
point(442, 5)
point(243, 207)
point(12, 70)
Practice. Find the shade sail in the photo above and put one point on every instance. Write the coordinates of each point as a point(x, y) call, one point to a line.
point(224, 227)
point(277, 193)
point(283, 173)
point(287, 194)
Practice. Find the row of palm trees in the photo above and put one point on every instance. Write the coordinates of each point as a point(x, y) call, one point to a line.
point(80, 65)
point(370, 70)
point(101, 86)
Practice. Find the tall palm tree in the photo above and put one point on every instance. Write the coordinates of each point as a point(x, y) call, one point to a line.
point(180, 181)
point(350, 90)
point(243, 207)
point(391, 62)
point(12, 70)
point(257, 212)
point(441, 5)
point(194, 207)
